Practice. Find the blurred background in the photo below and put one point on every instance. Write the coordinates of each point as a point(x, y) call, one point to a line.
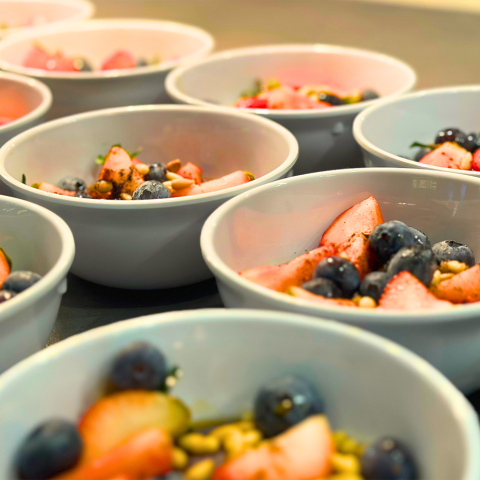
point(439, 38)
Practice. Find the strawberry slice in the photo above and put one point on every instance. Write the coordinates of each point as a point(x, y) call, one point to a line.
point(119, 60)
point(5, 266)
point(48, 187)
point(303, 452)
point(38, 57)
point(252, 102)
point(462, 288)
point(228, 181)
point(449, 155)
point(476, 160)
point(192, 172)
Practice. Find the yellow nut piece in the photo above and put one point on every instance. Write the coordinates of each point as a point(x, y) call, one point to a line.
point(224, 431)
point(339, 437)
point(180, 459)
point(367, 302)
point(345, 476)
point(201, 471)
point(174, 165)
point(142, 169)
point(436, 278)
point(199, 444)
point(104, 187)
point(173, 176)
point(345, 463)
point(356, 300)
point(125, 196)
point(348, 446)
point(452, 267)
point(252, 438)
point(179, 183)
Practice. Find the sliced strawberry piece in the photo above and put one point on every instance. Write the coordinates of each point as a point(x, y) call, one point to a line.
point(476, 160)
point(192, 172)
point(5, 120)
point(252, 102)
point(115, 418)
point(119, 60)
point(303, 452)
point(228, 181)
point(38, 57)
point(405, 292)
point(462, 288)
point(305, 295)
point(142, 456)
point(136, 161)
point(348, 234)
point(5, 266)
point(291, 274)
point(48, 187)
point(449, 155)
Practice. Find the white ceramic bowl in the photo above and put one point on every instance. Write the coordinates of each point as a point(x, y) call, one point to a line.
point(325, 136)
point(24, 14)
point(76, 92)
point(372, 387)
point(37, 240)
point(151, 243)
point(26, 93)
point(386, 131)
point(276, 223)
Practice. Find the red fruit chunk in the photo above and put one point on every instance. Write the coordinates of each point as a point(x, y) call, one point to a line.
point(476, 160)
point(405, 292)
point(48, 187)
point(4, 266)
point(228, 181)
point(305, 295)
point(192, 172)
point(449, 155)
point(462, 288)
point(145, 455)
point(348, 234)
point(5, 120)
point(39, 58)
point(252, 102)
point(119, 60)
point(136, 161)
point(291, 274)
point(303, 452)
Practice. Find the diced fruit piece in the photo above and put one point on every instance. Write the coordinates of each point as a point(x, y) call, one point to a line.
point(72, 183)
point(116, 417)
point(48, 187)
point(5, 120)
point(340, 271)
point(329, 302)
point(462, 288)
point(324, 287)
point(294, 273)
point(39, 58)
point(388, 459)
point(142, 456)
point(151, 190)
point(348, 233)
point(119, 60)
point(284, 402)
point(476, 161)
point(192, 172)
point(139, 366)
point(5, 267)
point(420, 261)
point(158, 172)
point(405, 292)
point(136, 161)
point(52, 448)
point(20, 280)
point(449, 155)
point(252, 102)
point(373, 285)
point(228, 181)
point(303, 452)
point(449, 250)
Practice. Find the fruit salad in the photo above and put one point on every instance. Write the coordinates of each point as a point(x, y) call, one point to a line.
point(139, 431)
point(451, 148)
point(124, 177)
point(40, 58)
point(364, 262)
point(274, 94)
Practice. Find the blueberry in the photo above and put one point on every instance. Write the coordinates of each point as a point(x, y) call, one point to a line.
point(419, 260)
point(451, 135)
point(151, 190)
point(388, 238)
point(420, 238)
point(368, 94)
point(72, 183)
point(324, 287)
point(331, 99)
point(141, 62)
point(340, 271)
point(158, 172)
point(474, 140)
point(373, 285)
point(20, 280)
point(449, 250)
point(140, 366)
point(420, 153)
point(284, 402)
point(82, 194)
point(388, 459)
point(6, 295)
point(49, 450)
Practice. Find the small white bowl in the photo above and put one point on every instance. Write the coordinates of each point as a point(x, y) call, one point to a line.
point(371, 387)
point(144, 244)
point(35, 98)
point(386, 131)
point(325, 136)
point(25, 14)
point(35, 239)
point(76, 92)
point(273, 224)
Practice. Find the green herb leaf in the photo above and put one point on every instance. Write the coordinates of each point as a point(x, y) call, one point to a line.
point(24, 179)
point(35, 185)
point(9, 260)
point(136, 153)
point(253, 92)
point(423, 145)
point(100, 160)
point(116, 145)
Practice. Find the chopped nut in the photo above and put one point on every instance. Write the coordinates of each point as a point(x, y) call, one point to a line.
point(180, 459)
point(199, 444)
point(173, 176)
point(103, 186)
point(125, 196)
point(345, 463)
point(453, 267)
point(201, 471)
point(178, 183)
point(367, 302)
point(142, 169)
point(356, 300)
point(174, 166)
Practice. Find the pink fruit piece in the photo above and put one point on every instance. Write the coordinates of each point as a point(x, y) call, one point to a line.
point(476, 160)
point(119, 60)
point(449, 155)
point(48, 187)
point(38, 57)
point(462, 288)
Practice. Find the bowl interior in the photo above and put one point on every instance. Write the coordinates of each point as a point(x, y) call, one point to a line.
point(341, 68)
point(17, 99)
point(217, 141)
point(386, 396)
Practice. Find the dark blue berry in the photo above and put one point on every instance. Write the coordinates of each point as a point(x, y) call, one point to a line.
point(474, 140)
point(141, 62)
point(369, 94)
point(420, 238)
point(331, 99)
point(151, 190)
point(451, 135)
point(6, 295)
point(324, 287)
point(140, 366)
point(49, 450)
point(340, 271)
point(72, 183)
point(449, 250)
point(388, 238)
point(388, 459)
point(420, 261)
point(158, 172)
point(284, 402)
point(20, 280)
point(373, 285)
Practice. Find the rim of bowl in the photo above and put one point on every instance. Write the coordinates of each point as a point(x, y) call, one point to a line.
point(37, 112)
point(405, 163)
point(107, 24)
point(282, 169)
point(465, 415)
point(177, 94)
point(54, 275)
point(358, 316)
